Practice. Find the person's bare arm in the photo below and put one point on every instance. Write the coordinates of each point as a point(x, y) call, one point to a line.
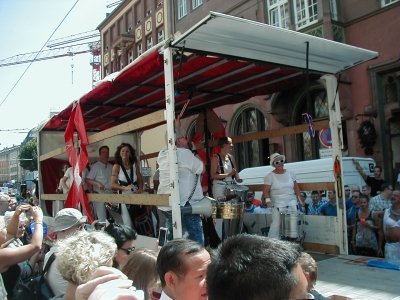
point(265, 198)
point(12, 256)
point(378, 220)
point(12, 227)
point(213, 168)
point(353, 229)
point(139, 177)
point(92, 183)
point(64, 183)
point(106, 280)
point(114, 178)
point(237, 177)
point(296, 189)
point(359, 169)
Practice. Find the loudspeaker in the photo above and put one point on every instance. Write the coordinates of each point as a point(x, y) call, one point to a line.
point(202, 207)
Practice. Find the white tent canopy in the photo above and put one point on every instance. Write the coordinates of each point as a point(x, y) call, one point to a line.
point(232, 36)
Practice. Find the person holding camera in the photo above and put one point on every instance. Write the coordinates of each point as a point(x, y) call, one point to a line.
point(10, 256)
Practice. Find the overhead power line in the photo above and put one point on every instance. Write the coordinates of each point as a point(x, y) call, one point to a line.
point(14, 129)
point(44, 45)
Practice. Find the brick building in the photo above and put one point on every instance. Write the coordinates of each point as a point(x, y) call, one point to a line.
point(369, 93)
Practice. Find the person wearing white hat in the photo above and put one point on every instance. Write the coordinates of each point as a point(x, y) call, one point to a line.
point(281, 192)
point(67, 222)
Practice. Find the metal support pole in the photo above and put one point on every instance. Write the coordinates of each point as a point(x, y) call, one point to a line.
point(174, 199)
point(207, 138)
point(335, 124)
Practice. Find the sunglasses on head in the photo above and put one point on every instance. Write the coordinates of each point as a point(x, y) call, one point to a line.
point(279, 162)
point(128, 250)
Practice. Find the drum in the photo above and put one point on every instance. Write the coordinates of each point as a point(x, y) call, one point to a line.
point(236, 191)
point(291, 225)
point(231, 213)
point(228, 210)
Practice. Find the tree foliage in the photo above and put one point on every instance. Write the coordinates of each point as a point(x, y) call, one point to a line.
point(28, 155)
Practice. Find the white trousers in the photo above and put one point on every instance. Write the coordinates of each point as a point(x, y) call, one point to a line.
point(100, 211)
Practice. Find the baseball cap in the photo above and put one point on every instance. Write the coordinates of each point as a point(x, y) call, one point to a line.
point(67, 218)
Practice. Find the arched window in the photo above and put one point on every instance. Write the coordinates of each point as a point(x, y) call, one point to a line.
point(253, 153)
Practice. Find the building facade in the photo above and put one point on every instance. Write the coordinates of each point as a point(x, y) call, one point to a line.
point(369, 93)
point(128, 31)
point(10, 170)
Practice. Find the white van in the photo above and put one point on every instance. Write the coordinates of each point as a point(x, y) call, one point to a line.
point(313, 171)
point(318, 233)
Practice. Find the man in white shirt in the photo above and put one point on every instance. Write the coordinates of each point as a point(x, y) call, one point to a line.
point(99, 180)
point(67, 222)
point(382, 201)
point(190, 168)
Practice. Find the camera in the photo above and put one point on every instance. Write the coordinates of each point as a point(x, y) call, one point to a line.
point(99, 225)
point(162, 236)
point(31, 229)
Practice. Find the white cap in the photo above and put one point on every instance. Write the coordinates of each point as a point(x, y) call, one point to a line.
point(67, 218)
point(276, 156)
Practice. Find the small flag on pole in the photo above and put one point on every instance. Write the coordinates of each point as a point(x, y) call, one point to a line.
point(311, 128)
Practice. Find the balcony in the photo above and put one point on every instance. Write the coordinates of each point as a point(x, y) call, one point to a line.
point(123, 41)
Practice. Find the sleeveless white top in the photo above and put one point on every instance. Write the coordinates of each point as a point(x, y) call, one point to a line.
point(282, 188)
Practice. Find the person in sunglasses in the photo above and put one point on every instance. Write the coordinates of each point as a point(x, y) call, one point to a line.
point(124, 237)
point(281, 192)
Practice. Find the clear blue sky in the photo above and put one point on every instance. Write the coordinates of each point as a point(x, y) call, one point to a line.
point(25, 25)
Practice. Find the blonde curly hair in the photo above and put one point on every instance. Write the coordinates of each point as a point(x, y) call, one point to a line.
point(81, 254)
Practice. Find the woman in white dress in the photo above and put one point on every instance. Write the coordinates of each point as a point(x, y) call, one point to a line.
point(126, 177)
point(281, 192)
